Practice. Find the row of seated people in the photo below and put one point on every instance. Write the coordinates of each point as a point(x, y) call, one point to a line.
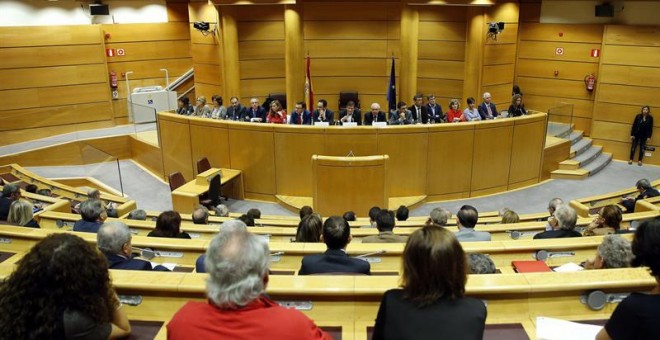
point(81, 301)
point(418, 113)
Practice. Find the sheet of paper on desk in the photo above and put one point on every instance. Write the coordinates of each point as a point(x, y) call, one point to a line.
point(557, 329)
point(568, 267)
point(169, 266)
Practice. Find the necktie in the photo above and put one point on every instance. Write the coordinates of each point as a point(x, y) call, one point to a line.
point(490, 113)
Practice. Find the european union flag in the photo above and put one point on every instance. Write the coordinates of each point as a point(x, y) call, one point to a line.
point(391, 89)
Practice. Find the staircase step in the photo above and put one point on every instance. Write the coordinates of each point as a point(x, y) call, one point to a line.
point(570, 174)
point(581, 146)
point(575, 136)
point(569, 164)
point(589, 155)
point(599, 163)
point(559, 130)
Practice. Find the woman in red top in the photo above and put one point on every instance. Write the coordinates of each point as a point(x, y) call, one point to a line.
point(454, 113)
point(277, 114)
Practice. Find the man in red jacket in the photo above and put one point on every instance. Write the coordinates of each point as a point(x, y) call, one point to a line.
point(237, 263)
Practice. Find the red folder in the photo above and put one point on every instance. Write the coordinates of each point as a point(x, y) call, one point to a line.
point(530, 266)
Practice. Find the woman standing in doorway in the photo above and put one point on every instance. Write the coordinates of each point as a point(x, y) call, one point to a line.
point(641, 132)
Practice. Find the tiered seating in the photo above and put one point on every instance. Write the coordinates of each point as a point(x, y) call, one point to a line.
point(590, 205)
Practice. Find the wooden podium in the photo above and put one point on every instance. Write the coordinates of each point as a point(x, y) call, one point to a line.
point(341, 184)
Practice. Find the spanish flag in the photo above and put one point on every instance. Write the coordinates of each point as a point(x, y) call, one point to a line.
point(309, 91)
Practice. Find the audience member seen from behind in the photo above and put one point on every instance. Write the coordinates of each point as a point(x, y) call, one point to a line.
point(515, 90)
point(645, 189)
point(137, 214)
point(309, 229)
point(432, 300)
point(454, 114)
point(566, 220)
point(184, 107)
point(45, 192)
point(385, 224)
point(61, 289)
point(373, 212)
point(219, 111)
point(350, 216)
point(466, 219)
point(401, 116)
point(402, 213)
point(21, 214)
point(336, 235)
point(641, 133)
point(200, 215)
point(552, 206)
point(638, 315)
point(487, 109)
point(277, 114)
point(614, 252)
point(237, 307)
point(221, 210)
point(517, 108)
point(31, 188)
point(304, 211)
point(471, 113)
point(10, 193)
point(439, 217)
point(93, 214)
point(227, 227)
point(254, 213)
point(247, 219)
point(510, 216)
point(607, 222)
point(168, 225)
point(114, 241)
point(481, 264)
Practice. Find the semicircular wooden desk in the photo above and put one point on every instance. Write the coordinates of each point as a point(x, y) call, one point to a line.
point(425, 162)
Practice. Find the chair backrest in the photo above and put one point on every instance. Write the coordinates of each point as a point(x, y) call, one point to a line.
point(214, 190)
point(346, 96)
point(176, 180)
point(203, 165)
point(281, 97)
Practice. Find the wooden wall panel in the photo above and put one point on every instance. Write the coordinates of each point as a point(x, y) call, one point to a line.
point(146, 32)
point(621, 112)
point(255, 160)
point(500, 54)
point(527, 141)
point(580, 107)
point(27, 36)
point(205, 54)
point(150, 50)
point(442, 50)
point(554, 88)
point(569, 33)
point(500, 94)
point(631, 55)
point(52, 76)
point(498, 74)
point(629, 75)
point(452, 172)
point(407, 151)
point(147, 155)
point(306, 143)
point(206, 51)
point(210, 141)
point(261, 69)
point(176, 139)
point(18, 57)
point(632, 35)
point(208, 74)
point(540, 68)
point(621, 94)
point(491, 161)
point(440, 69)
point(54, 116)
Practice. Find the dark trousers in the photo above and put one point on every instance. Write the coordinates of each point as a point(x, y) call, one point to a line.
point(642, 144)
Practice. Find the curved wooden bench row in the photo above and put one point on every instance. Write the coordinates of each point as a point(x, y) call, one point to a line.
point(590, 205)
point(123, 205)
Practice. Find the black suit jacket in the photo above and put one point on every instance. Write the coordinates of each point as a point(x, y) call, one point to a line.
point(642, 129)
point(5, 202)
point(424, 114)
point(483, 110)
point(560, 233)
point(369, 118)
point(236, 113)
point(329, 117)
point(333, 261)
point(357, 117)
point(120, 262)
point(435, 113)
point(248, 114)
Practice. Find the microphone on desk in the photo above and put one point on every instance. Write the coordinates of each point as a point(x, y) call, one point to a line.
point(146, 253)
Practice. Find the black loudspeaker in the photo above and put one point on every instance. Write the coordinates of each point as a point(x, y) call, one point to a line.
point(99, 9)
point(605, 10)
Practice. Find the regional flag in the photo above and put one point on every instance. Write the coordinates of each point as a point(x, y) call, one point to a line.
point(309, 91)
point(391, 90)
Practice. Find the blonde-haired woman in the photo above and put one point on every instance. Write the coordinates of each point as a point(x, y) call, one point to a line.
point(21, 214)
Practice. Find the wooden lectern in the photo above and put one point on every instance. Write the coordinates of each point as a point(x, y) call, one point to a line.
point(341, 184)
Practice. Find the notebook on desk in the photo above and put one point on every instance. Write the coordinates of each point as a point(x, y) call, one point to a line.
point(530, 266)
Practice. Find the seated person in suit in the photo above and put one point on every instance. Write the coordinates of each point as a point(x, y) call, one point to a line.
point(236, 110)
point(277, 114)
point(301, 116)
point(487, 110)
point(322, 113)
point(517, 108)
point(168, 225)
point(454, 115)
point(114, 241)
point(607, 222)
point(61, 289)
point(255, 112)
point(432, 299)
point(200, 215)
point(227, 228)
point(350, 114)
point(247, 219)
point(93, 214)
point(638, 315)
point(435, 111)
point(481, 264)
point(375, 115)
point(219, 111)
point(237, 307)
point(10, 193)
point(418, 110)
point(439, 217)
point(138, 215)
point(373, 213)
point(95, 194)
point(552, 206)
point(385, 224)
point(466, 219)
point(402, 213)
point(336, 235)
point(566, 219)
point(401, 116)
point(184, 107)
point(309, 229)
point(613, 252)
point(254, 213)
point(471, 113)
point(21, 214)
point(201, 109)
point(645, 189)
